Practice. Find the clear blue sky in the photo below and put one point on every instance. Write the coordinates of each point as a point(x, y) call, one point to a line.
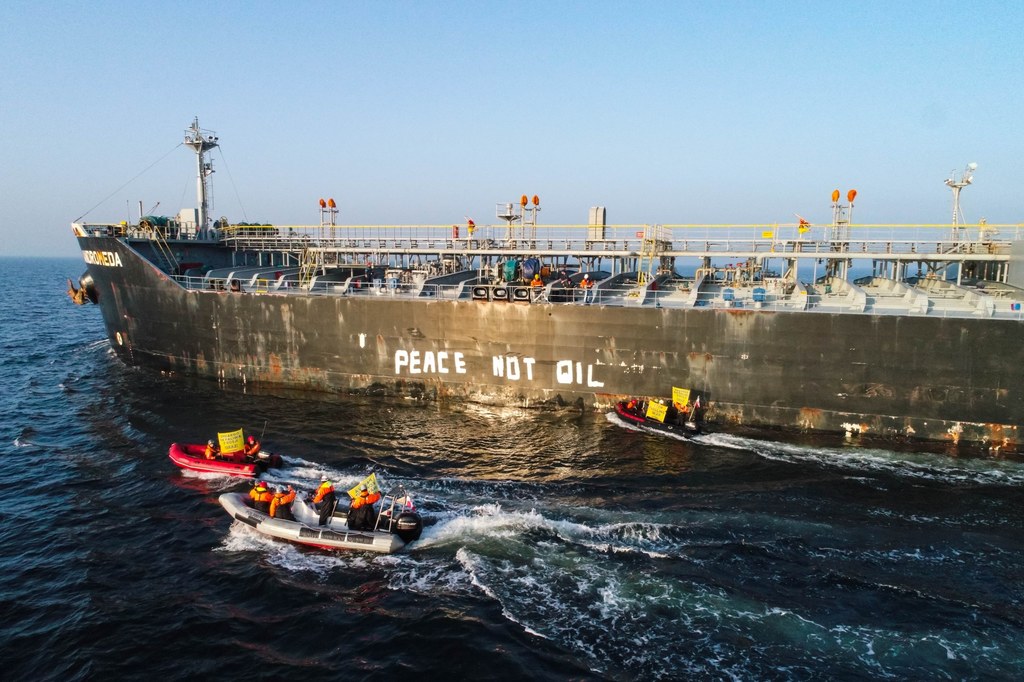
point(675, 112)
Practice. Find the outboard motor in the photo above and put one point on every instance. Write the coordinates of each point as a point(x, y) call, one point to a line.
point(409, 526)
point(271, 459)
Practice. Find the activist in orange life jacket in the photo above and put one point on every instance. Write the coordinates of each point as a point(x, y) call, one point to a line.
point(324, 499)
point(364, 498)
point(261, 497)
point(251, 448)
point(281, 505)
point(360, 515)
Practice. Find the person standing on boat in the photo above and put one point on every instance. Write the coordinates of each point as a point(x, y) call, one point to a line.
point(261, 497)
point(360, 514)
point(281, 505)
point(324, 499)
point(211, 450)
point(251, 448)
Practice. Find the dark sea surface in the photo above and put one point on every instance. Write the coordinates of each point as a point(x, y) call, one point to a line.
point(558, 546)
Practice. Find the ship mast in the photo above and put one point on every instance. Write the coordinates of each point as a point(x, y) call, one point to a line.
point(956, 185)
point(201, 141)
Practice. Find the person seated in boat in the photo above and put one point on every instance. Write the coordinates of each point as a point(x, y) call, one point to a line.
point(261, 496)
point(631, 406)
point(361, 514)
point(681, 412)
point(251, 448)
point(281, 505)
point(212, 452)
point(324, 500)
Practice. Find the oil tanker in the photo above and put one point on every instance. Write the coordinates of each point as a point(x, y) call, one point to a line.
point(761, 325)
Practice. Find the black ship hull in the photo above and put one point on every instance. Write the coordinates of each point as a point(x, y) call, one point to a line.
point(897, 376)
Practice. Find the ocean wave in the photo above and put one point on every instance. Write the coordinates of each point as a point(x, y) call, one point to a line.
point(925, 466)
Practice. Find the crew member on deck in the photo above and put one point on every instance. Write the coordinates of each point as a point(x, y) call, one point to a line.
point(211, 450)
point(251, 448)
point(536, 281)
point(360, 514)
point(324, 499)
point(281, 505)
point(261, 497)
point(587, 285)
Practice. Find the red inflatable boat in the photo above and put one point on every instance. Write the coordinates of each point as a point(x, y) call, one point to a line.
point(191, 456)
point(688, 424)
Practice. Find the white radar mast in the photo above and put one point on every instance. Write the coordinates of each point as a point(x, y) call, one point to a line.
point(956, 185)
point(201, 141)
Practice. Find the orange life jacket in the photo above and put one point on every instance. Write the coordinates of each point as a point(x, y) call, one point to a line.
point(281, 500)
point(364, 498)
point(253, 450)
point(261, 498)
point(325, 488)
point(211, 452)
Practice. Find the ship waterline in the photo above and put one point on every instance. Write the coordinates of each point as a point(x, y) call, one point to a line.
point(518, 315)
point(888, 375)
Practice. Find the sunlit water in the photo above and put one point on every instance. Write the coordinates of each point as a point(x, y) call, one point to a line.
point(557, 546)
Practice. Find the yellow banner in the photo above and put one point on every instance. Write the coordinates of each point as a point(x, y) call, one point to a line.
point(803, 228)
point(230, 441)
point(371, 486)
point(656, 411)
point(767, 234)
point(680, 396)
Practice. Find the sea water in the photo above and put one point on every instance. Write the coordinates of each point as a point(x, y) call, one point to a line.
point(557, 545)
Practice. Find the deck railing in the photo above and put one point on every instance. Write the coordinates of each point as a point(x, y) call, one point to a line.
point(884, 241)
point(617, 295)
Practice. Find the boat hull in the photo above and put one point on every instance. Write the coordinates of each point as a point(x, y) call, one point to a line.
point(189, 457)
point(897, 376)
point(685, 428)
point(333, 536)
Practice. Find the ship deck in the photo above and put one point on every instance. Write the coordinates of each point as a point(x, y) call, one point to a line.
point(734, 267)
point(878, 297)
